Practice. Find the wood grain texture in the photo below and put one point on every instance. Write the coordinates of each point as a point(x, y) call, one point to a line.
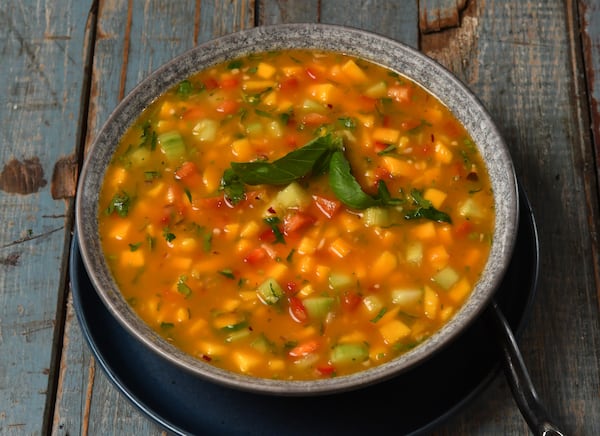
point(521, 61)
point(40, 87)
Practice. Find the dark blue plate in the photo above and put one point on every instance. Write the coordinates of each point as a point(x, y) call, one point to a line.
point(414, 402)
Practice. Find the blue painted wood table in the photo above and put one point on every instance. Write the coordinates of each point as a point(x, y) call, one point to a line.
point(65, 64)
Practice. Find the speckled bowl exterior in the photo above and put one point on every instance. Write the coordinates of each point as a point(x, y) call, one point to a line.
point(369, 46)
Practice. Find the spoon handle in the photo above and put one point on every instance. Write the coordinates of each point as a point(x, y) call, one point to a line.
point(524, 393)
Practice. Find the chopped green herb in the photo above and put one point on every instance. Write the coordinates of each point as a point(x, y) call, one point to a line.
point(134, 247)
point(168, 235)
point(184, 89)
point(183, 288)
point(151, 241)
point(424, 209)
point(120, 204)
point(274, 222)
point(166, 325)
point(348, 122)
point(235, 65)
point(388, 150)
point(188, 194)
point(227, 272)
point(379, 315)
point(290, 255)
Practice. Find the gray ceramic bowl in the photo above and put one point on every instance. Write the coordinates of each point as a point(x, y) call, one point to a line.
point(377, 49)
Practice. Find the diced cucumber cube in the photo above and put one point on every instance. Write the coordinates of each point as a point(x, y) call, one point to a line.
point(377, 90)
point(446, 277)
point(406, 297)
point(318, 307)
point(414, 252)
point(270, 291)
point(338, 281)
point(470, 209)
point(293, 196)
point(171, 144)
point(349, 353)
point(377, 217)
point(373, 303)
point(206, 130)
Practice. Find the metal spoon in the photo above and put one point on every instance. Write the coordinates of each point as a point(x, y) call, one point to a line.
point(524, 393)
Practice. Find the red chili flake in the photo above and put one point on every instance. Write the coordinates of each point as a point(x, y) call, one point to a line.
point(271, 210)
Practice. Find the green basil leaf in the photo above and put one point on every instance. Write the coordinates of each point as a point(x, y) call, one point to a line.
point(290, 167)
point(345, 187)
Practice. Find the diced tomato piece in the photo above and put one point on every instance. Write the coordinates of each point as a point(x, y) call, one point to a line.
point(304, 349)
point(315, 119)
point(423, 150)
point(187, 169)
point(288, 83)
point(367, 104)
point(194, 113)
point(400, 93)
point(268, 235)
point(327, 206)
point(229, 82)
point(386, 121)
point(326, 370)
point(255, 256)
point(296, 221)
point(211, 83)
point(461, 230)
point(291, 288)
point(350, 300)
point(297, 310)
point(188, 173)
point(227, 107)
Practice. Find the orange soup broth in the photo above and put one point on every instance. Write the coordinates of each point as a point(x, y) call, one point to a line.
point(322, 289)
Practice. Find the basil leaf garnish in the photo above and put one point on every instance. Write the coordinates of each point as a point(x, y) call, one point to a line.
point(345, 187)
point(290, 167)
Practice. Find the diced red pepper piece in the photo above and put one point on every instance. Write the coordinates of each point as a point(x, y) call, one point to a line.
point(326, 370)
point(304, 349)
point(297, 310)
point(350, 300)
point(327, 206)
point(293, 222)
point(255, 256)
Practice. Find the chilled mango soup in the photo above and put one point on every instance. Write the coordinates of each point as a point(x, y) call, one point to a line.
point(296, 215)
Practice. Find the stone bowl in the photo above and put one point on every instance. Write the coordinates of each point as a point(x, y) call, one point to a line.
point(369, 46)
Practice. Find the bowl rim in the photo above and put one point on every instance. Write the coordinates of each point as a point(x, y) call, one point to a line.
point(369, 46)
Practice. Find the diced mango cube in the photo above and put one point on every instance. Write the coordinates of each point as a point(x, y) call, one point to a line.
point(307, 245)
point(431, 303)
point(245, 361)
point(276, 365)
point(277, 271)
point(257, 85)
point(385, 263)
point(211, 177)
point(398, 167)
point(265, 71)
point(437, 256)
point(120, 230)
point(424, 231)
point(242, 149)
point(459, 292)
point(354, 72)
point(442, 153)
point(134, 259)
point(340, 247)
point(435, 196)
point(323, 92)
point(386, 135)
point(393, 331)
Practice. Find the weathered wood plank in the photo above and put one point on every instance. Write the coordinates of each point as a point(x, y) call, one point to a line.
point(133, 39)
point(436, 15)
point(41, 74)
point(521, 61)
